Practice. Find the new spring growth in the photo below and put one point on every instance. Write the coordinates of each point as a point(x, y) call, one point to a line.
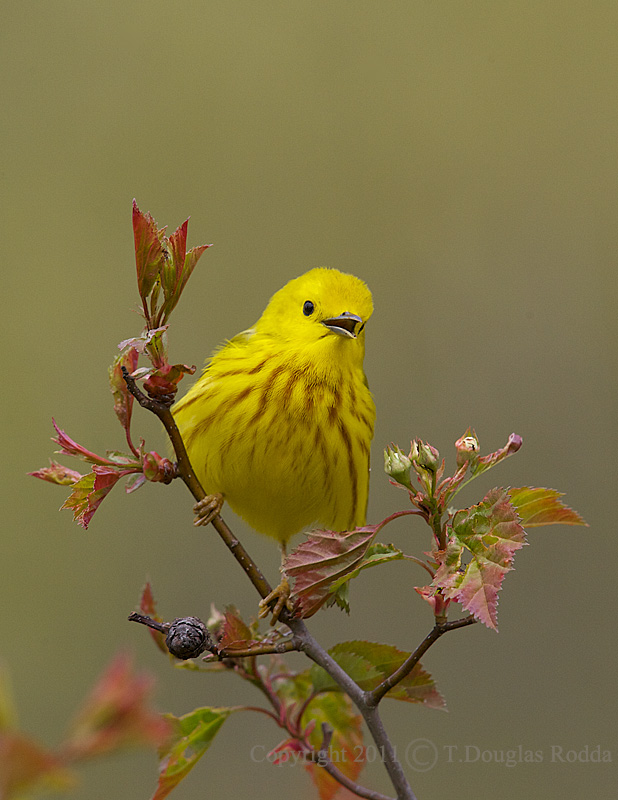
point(468, 447)
point(397, 466)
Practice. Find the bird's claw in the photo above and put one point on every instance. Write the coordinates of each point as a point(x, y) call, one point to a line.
point(280, 596)
point(207, 509)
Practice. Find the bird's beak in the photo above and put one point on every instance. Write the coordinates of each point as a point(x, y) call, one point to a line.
point(345, 324)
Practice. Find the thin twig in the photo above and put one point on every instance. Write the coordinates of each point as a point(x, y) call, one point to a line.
point(373, 697)
point(259, 650)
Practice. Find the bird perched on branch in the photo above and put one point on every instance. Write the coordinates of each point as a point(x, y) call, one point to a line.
point(280, 422)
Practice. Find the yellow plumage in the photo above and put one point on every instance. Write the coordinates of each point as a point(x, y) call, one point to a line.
point(281, 420)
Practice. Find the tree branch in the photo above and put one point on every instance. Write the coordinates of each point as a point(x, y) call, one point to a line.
point(369, 713)
point(373, 697)
point(185, 471)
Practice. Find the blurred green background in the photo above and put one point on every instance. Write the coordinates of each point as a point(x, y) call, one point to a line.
point(462, 159)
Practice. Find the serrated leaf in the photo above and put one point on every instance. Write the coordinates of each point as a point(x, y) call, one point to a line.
point(376, 554)
point(539, 506)
point(236, 632)
point(192, 736)
point(323, 558)
point(369, 663)
point(89, 492)
point(491, 533)
point(149, 253)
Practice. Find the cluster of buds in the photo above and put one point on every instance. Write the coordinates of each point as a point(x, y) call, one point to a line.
point(421, 470)
point(423, 459)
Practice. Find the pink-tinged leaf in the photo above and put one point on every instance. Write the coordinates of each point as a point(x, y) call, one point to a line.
point(116, 715)
point(369, 663)
point(149, 253)
point(69, 447)
point(490, 533)
point(538, 506)
point(123, 399)
point(148, 607)
point(323, 558)
point(236, 632)
point(26, 767)
point(57, 473)
point(191, 737)
point(90, 491)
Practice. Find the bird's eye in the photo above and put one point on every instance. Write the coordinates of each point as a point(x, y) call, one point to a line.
point(308, 308)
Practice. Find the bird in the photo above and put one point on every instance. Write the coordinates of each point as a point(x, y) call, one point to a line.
point(279, 425)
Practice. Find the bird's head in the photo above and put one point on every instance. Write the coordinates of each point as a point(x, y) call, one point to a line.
point(323, 309)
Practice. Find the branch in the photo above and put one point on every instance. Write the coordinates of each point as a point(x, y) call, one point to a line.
point(373, 697)
point(185, 471)
point(370, 714)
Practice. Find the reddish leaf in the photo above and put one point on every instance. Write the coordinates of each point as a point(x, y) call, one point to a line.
point(123, 399)
point(236, 633)
point(26, 767)
point(90, 491)
point(69, 447)
point(116, 714)
point(149, 253)
point(369, 663)
point(538, 506)
point(324, 557)
point(491, 533)
point(191, 737)
point(57, 473)
point(148, 607)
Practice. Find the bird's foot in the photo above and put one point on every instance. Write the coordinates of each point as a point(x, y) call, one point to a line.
point(276, 601)
point(207, 509)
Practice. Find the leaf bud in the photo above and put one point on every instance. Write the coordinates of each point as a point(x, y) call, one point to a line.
point(188, 637)
point(397, 466)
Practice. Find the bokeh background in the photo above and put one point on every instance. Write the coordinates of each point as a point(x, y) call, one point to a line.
point(462, 159)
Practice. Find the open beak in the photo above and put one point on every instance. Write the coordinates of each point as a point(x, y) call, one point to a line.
point(345, 324)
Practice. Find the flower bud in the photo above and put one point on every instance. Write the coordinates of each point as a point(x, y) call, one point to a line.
point(467, 448)
point(425, 456)
point(397, 466)
point(188, 637)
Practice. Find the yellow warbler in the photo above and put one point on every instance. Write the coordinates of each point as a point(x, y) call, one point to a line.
point(281, 420)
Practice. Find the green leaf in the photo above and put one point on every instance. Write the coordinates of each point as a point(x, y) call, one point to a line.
point(192, 736)
point(377, 554)
point(538, 506)
point(490, 533)
point(369, 663)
